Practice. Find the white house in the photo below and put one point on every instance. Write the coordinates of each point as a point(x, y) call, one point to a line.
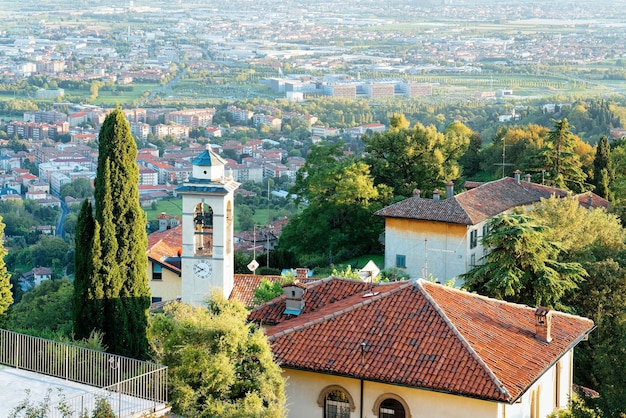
point(441, 238)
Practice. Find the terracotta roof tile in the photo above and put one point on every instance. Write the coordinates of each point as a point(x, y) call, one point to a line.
point(319, 293)
point(476, 205)
point(165, 244)
point(245, 285)
point(420, 335)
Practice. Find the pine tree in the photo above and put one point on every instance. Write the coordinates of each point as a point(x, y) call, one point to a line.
point(564, 164)
point(6, 298)
point(116, 280)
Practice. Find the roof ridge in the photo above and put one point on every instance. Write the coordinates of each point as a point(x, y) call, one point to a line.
point(460, 205)
point(334, 314)
point(419, 283)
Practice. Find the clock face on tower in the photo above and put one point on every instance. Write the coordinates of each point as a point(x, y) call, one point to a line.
point(202, 269)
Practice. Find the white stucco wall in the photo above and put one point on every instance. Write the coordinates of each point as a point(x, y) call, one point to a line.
point(303, 390)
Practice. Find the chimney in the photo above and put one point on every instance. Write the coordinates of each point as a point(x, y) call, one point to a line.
point(449, 189)
point(436, 194)
point(302, 273)
point(294, 302)
point(517, 176)
point(416, 192)
point(527, 178)
point(590, 200)
point(543, 324)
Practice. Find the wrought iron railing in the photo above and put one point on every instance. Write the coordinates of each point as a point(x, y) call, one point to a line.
point(132, 387)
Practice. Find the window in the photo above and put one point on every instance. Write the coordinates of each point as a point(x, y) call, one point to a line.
point(473, 238)
point(336, 401)
point(336, 405)
point(157, 272)
point(400, 261)
point(390, 405)
point(156, 299)
point(472, 260)
point(485, 230)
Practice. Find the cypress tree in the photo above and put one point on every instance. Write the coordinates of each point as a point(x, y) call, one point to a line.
point(82, 306)
point(602, 171)
point(6, 298)
point(118, 281)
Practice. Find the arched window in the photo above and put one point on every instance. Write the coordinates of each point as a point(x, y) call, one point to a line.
point(390, 405)
point(203, 229)
point(336, 401)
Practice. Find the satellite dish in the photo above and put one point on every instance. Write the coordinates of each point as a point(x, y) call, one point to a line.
point(253, 265)
point(369, 272)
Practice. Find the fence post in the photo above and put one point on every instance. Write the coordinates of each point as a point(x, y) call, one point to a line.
point(17, 350)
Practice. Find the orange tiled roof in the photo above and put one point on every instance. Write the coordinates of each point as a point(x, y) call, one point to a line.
point(245, 285)
point(476, 205)
point(319, 293)
point(164, 244)
point(420, 334)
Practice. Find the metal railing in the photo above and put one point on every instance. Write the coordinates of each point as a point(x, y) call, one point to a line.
point(130, 386)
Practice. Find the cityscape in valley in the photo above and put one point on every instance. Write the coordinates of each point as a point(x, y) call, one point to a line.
point(401, 209)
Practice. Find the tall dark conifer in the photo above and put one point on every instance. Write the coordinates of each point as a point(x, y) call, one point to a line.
point(83, 309)
point(602, 170)
point(118, 283)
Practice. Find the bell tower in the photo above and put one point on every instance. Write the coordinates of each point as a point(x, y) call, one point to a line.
point(207, 261)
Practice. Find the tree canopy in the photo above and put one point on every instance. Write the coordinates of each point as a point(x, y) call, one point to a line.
point(521, 266)
point(219, 365)
point(417, 158)
point(6, 297)
point(340, 199)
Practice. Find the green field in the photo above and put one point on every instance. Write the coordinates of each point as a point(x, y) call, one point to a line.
point(172, 207)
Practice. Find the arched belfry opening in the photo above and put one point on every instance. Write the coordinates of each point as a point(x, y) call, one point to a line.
point(229, 226)
point(203, 230)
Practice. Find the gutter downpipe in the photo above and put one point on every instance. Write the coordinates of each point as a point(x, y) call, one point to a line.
point(362, 364)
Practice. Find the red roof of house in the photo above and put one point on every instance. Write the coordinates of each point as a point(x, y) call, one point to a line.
point(418, 334)
point(245, 285)
point(476, 205)
point(165, 244)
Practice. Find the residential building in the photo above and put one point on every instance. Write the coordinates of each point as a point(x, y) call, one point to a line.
point(415, 89)
point(349, 348)
point(240, 115)
point(442, 237)
point(175, 130)
point(36, 276)
point(193, 118)
point(344, 91)
point(323, 131)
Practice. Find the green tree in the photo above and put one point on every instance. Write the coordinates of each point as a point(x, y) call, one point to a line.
point(117, 290)
point(562, 162)
point(267, 290)
point(219, 365)
point(521, 265)
point(341, 198)
point(46, 308)
point(83, 302)
point(602, 169)
point(421, 157)
point(6, 297)
point(79, 189)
